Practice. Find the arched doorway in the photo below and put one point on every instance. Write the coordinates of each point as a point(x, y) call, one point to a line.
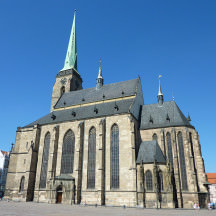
point(59, 193)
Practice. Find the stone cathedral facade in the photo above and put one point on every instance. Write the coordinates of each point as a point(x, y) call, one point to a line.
point(104, 146)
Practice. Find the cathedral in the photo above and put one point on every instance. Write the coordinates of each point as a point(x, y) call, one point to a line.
point(104, 146)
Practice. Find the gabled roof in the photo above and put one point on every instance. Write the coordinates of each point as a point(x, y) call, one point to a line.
point(166, 115)
point(5, 153)
point(106, 92)
point(90, 109)
point(149, 152)
point(85, 112)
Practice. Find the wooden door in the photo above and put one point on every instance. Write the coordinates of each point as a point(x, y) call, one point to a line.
point(59, 197)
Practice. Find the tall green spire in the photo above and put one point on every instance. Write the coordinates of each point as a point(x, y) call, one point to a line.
point(71, 56)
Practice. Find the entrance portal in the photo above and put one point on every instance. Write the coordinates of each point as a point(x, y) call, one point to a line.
point(59, 194)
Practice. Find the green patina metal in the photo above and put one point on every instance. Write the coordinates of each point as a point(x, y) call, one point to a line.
point(71, 56)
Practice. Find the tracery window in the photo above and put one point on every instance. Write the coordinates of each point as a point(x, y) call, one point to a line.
point(182, 162)
point(91, 158)
point(45, 159)
point(148, 178)
point(154, 137)
point(161, 181)
point(68, 153)
point(22, 181)
point(169, 148)
point(114, 156)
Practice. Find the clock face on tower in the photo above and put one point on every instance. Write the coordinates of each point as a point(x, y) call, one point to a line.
point(63, 81)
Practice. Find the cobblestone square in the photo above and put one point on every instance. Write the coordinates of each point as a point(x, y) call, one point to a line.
point(44, 209)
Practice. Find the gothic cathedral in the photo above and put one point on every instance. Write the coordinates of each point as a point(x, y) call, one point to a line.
point(103, 146)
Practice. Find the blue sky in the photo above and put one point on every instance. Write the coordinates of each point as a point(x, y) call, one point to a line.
point(176, 39)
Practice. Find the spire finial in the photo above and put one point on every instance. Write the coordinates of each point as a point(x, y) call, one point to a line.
point(71, 55)
point(160, 94)
point(99, 78)
point(100, 71)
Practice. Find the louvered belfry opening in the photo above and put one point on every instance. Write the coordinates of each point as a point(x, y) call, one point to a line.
point(114, 156)
point(182, 162)
point(68, 153)
point(91, 158)
point(45, 159)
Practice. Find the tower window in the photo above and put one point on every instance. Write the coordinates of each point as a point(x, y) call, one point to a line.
point(62, 90)
point(154, 137)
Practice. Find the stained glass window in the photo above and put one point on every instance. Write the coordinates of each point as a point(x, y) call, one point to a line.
point(22, 181)
point(45, 159)
point(91, 158)
point(160, 181)
point(169, 148)
point(182, 162)
point(148, 178)
point(68, 153)
point(114, 156)
point(154, 137)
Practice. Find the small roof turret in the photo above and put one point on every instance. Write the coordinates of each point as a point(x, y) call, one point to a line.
point(99, 78)
point(160, 94)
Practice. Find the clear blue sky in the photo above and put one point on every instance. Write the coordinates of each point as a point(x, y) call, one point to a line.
point(176, 39)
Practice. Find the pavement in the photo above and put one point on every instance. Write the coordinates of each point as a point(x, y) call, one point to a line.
point(44, 209)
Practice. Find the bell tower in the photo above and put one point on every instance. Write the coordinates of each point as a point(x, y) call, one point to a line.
point(68, 79)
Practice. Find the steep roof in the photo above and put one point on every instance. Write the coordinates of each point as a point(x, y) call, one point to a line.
point(85, 112)
point(5, 153)
point(106, 92)
point(165, 115)
point(211, 178)
point(90, 109)
point(149, 152)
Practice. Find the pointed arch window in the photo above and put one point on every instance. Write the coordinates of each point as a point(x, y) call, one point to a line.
point(114, 156)
point(68, 153)
point(169, 148)
point(45, 159)
point(22, 181)
point(154, 137)
point(161, 188)
point(91, 158)
point(148, 178)
point(182, 162)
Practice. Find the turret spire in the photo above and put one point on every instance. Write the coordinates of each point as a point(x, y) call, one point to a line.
point(99, 78)
point(160, 94)
point(71, 56)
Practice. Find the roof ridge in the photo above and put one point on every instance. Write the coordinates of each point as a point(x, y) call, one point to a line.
point(87, 89)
